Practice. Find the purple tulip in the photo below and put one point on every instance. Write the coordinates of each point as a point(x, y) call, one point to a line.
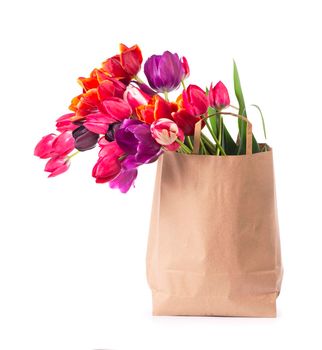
point(164, 72)
point(135, 138)
point(84, 139)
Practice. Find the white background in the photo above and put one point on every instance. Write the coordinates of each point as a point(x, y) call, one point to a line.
point(72, 253)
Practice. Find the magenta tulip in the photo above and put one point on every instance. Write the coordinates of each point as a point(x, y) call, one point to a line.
point(57, 165)
point(195, 100)
point(185, 67)
point(44, 148)
point(98, 122)
point(63, 143)
point(64, 123)
point(166, 132)
point(218, 96)
point(116, 108)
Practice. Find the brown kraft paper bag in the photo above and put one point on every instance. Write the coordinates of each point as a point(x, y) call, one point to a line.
point(214, 246)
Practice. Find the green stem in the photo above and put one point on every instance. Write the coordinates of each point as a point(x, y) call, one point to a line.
point(189, 142)
point(211, 147)
point(203, 147)
point(183, 84)
point(185, 148)
point(166, 95)
point(220, 134)
point(73, 154)
point(138, 79)
point(215, 137)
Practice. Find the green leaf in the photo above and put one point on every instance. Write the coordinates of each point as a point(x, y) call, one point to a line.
point(242, 125)
point(228, 144)
point(263, 121)
point(213, 120)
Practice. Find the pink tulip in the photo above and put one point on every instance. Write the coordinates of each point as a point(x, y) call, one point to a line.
point(63, 143)
point(109, 148)
point(135, 97)
point(116, 108)
point(44, 148)
point(185, 67)
point(64, 123)
point(57, 165)
point(166, 132)
point(98, 122)
point(218, 96)
point(195, 100)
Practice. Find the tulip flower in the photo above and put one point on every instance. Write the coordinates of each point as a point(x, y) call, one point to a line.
point(84, 138)
point(63, 143)
point(131, 59)
point(108, 165)
point(57, 165)
point(185, 121)
point(135, 138)
point(157, 108)
point(135, 97)
point(166, 132)
point(110, 87)
point(106, 169)
point(116, 108)
point(44, 148)
point(64, 123)
point(164, 72)
point(126, 65)
point(195, 100)
point(125, 179)
point(185, 67)
point(98, 122)
point(218, 96)
point(110, 134)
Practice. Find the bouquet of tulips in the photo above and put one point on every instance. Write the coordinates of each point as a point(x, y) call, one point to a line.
point(134, 122)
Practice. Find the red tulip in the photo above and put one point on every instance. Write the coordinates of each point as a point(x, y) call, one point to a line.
point(124, 66)
point(218, 96)
point(109, 148)
point(195, 100)
point(107, 167)
point(185, 121)
point(63, 144)
point(64, 123)
point(157, 108)
point(116, 108)
point(57, 165)
point(110, 87)
point(131, 59)
point(44, 148)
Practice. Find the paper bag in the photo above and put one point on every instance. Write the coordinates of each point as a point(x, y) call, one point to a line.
point(214, 246)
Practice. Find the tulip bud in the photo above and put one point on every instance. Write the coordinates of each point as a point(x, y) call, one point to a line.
point(64, 123)
point(84, 139)
point(195, 100)
point(218, 96)
point(63, 144)
point(166, 132)
point(44, 148)
point(164, 72)
point(185, 67)
point(57, 165)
